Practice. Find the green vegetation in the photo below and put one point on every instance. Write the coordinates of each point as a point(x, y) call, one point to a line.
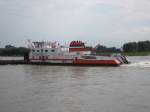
point(13, 51)
point(136, 53)
point(141, 48)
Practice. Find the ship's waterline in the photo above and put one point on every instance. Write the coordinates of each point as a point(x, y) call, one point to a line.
point(35, 88)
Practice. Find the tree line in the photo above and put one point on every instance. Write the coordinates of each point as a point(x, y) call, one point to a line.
point(10, 50)
point(103, 49)
point(141, 46)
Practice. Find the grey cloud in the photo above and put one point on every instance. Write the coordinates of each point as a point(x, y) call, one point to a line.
point(93, 21)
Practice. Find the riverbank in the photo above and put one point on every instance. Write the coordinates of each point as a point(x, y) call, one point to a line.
point(136, 53)
point(125, 53)
point(20, 51)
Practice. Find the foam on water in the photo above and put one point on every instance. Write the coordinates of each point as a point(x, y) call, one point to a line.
point(139, 64)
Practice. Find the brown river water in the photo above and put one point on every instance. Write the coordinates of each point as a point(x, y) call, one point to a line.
point(28, 88)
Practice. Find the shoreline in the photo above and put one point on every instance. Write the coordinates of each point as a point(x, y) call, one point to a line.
point(136, 53)
point(125, 53)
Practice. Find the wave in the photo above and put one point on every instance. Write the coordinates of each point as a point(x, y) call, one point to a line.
point(138, 64)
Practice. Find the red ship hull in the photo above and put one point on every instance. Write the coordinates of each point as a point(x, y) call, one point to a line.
point(97, 62)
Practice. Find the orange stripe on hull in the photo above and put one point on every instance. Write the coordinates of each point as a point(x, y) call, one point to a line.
point(96, 62)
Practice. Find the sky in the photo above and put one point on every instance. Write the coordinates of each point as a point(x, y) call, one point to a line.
point(105, 22)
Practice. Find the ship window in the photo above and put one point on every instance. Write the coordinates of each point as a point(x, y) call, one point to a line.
point(38, 51)
point(33, 50)
point(46, 50)
point(53, 50)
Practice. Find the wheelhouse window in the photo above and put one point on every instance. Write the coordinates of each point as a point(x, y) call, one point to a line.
point(52, 50)
point(38, 50)
point(33, 50)
point(46, 50)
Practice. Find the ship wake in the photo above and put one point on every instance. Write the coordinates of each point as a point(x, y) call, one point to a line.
point(138, 64)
